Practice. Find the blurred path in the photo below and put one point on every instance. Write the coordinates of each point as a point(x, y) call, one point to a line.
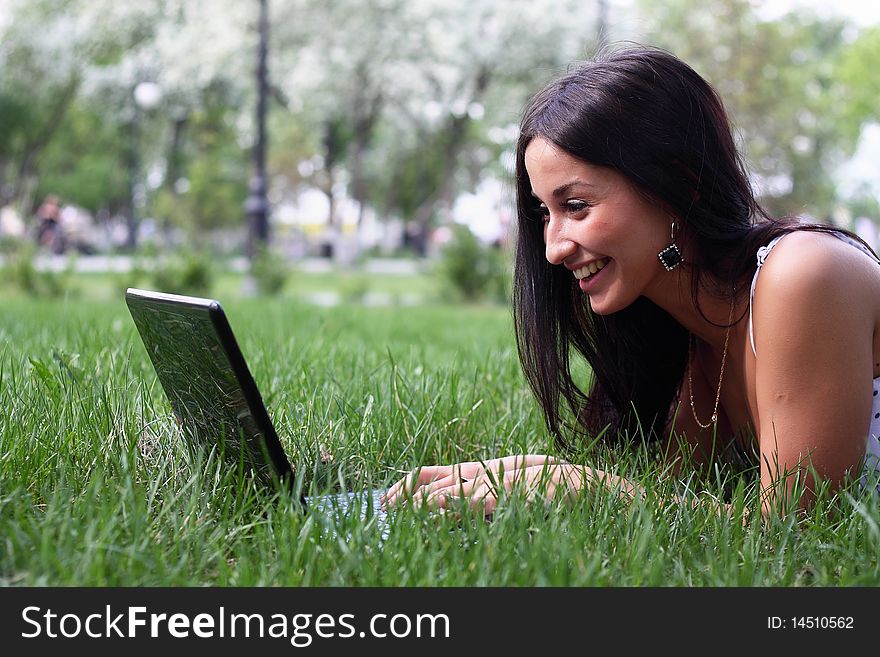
point(123, 263)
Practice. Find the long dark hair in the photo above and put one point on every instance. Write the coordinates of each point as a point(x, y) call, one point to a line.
point(650, 116)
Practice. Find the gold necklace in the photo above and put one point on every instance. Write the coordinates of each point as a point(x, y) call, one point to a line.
point(714, 418)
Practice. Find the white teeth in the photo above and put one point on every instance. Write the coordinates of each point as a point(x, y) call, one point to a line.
point(590, 269)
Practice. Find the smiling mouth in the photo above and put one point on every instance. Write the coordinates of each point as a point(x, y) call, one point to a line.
point(590, 269)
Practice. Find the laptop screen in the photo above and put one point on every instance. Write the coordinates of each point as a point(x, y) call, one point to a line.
point(206, 379)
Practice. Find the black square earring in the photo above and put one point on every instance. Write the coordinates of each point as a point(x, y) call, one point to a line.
point(670, 257)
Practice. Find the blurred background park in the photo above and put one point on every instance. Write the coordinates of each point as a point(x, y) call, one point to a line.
point(362, 149)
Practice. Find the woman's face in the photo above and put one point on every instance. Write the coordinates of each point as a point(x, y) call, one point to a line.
point(595, 220)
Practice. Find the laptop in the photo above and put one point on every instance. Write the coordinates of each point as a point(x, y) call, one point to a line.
point(214, 397)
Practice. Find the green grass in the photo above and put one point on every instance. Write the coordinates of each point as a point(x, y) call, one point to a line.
point(95, 488)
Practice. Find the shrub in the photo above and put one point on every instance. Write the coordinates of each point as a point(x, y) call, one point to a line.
point(139, 275)
point(186, 272)
point(20, 271)
point(10, 245)
point(354, 289)
point(270, 271)
point(472, 271)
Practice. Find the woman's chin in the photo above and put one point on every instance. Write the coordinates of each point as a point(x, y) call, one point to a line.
point(597, 307)
point(606, 304)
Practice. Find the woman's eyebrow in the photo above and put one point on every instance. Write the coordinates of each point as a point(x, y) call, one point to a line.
point(566, 188)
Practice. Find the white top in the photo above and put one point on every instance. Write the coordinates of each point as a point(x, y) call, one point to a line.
point(871, 469)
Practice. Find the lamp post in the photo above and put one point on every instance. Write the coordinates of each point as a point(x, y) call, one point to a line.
point(257, 205)
point(146, 97)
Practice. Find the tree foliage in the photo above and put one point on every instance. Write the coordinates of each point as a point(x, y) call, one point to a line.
point(400, 106)
point(783, 84)
point(859, 84)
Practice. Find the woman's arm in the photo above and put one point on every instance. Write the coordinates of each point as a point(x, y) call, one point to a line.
point(814, 317)
point(438, 486)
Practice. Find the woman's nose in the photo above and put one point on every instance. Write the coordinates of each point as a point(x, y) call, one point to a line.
point(558, 246)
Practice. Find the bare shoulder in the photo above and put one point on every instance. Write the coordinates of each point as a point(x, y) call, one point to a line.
point(808, 267)
point(817, 300)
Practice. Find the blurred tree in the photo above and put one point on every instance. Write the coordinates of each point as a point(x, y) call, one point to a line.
point(198, 158)
point(81, 163)
point(211, 167)
point(477, 79)
point(865, 204)
point(29, 119)
point(398, 105)
point(84, 57)
point(397, 92)
point(858, 82)
point(29, 114)
point(780, 83)
point(51, 49)
point(334, 61)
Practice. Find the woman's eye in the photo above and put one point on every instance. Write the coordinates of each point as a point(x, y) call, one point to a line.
point(575, 206)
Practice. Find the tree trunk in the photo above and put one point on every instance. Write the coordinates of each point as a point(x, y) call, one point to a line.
point(456, 131)
point(41, 140)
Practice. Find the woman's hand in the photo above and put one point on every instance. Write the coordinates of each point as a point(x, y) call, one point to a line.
point(480, 484)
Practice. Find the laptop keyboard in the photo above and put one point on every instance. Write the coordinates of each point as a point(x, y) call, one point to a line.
point(365, 503)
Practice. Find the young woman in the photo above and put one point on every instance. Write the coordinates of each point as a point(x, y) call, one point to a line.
point(708, 324)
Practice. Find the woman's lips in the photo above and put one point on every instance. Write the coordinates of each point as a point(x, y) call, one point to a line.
point(590, 268)
point(588, 284)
